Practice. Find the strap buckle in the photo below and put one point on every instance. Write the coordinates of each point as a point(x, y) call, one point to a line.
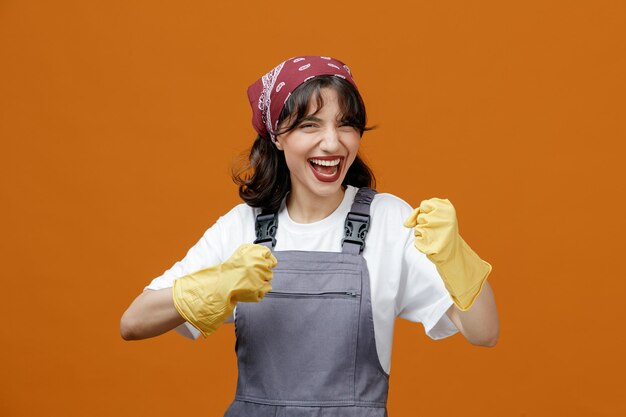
point(266, 227)
point(355, 229)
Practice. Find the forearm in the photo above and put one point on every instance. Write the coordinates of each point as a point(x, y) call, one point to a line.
point(152, 313)
point(480, 324)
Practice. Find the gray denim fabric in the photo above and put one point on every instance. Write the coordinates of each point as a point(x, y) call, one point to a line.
point(308, 348)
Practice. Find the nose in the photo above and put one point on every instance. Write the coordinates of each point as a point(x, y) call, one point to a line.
point(330, 142)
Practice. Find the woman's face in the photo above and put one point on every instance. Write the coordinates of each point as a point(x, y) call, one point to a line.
point(320, 149)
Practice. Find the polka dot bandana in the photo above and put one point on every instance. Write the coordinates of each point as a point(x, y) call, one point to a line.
point(269, 94)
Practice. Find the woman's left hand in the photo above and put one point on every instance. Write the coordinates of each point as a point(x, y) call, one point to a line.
point(436, 233)
point(435, 227)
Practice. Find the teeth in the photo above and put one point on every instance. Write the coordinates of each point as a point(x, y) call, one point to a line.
point(326, 163)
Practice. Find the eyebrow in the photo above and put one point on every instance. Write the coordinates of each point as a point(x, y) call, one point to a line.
point(311, 118)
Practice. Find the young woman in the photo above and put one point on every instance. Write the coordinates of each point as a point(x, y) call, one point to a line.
point(315, 267)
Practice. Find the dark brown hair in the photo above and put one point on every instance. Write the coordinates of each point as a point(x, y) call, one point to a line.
point(263, 177)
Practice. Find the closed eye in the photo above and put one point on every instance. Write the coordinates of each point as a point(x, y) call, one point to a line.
point(347, 125)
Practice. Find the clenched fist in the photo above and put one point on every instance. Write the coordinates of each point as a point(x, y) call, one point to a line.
point(207, 297)
point(436, 233)
point(435, 227)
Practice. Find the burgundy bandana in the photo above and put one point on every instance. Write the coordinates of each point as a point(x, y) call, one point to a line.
point(269, 94)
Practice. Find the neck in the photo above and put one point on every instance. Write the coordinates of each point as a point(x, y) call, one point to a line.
point(309, 208)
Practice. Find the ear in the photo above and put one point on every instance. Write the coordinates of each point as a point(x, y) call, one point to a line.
point(279, 145)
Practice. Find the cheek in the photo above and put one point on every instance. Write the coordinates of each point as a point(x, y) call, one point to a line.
point(352, 153)
point(294, 157)
point(353, 148)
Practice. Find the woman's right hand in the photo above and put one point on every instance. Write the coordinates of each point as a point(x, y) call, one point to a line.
point(250, 269)
point(207, 297)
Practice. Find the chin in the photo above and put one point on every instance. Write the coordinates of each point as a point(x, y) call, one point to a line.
point(327, 189)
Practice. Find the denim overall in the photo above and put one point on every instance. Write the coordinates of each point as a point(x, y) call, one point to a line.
point(308, 348)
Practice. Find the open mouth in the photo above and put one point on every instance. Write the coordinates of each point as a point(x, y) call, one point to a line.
point(326, 170)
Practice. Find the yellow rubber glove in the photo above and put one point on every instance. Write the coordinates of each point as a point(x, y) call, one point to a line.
point(437, 236)
point(207, 297)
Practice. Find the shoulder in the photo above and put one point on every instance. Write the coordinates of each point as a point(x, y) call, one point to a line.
point(386, 204)
point(233, 226)
point(231, 230)
point(238, 216)
point(388, 213)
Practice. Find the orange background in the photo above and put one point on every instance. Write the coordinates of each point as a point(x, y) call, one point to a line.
point(119, 121)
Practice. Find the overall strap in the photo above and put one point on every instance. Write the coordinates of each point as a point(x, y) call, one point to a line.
point(266, 226)
point(358, 222)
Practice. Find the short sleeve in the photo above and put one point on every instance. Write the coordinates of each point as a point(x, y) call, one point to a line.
point(208, 251)
point(423, 296)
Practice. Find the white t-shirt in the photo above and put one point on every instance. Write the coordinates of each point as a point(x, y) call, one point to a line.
point(404, 283)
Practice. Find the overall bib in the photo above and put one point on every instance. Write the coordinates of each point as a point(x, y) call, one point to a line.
point(308, 348)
